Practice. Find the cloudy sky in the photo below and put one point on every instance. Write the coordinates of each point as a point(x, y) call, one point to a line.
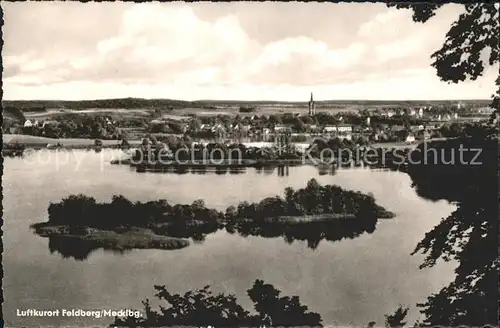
point(245, 51)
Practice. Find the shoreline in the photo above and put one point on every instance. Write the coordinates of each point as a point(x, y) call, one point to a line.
point(115, 239)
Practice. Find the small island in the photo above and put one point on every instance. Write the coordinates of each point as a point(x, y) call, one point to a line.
point(309, 214)
point(312, 213)
point(121, 224)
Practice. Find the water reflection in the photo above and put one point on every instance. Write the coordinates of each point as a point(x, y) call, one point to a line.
point(277, 169)
point(344, 291)
point(79, 249)
point(311, 232)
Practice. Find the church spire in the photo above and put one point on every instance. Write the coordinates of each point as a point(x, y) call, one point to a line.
point(311, 106)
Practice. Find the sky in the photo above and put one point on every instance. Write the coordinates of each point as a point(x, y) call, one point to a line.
point(226, 51)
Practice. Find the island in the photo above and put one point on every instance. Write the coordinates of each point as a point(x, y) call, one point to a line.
point(79, 224)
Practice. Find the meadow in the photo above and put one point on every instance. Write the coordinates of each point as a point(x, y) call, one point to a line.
point(136, 107)
point(36, 142)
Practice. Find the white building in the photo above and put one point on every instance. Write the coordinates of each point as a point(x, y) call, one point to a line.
point(340, 128)
point(344, 128)
point(410, 138)
point(330, 128)
point(281, 128)
point(28, 124)
point(417, 128)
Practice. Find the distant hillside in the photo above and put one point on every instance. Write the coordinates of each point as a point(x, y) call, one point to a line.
point(37, 105)
point(139, 103)
point(12, 113)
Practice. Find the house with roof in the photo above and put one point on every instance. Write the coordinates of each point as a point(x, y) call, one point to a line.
point(330, 128)
point(339, 128)
point(50, 122)
point(218, 128)
point(313, 127)
point(426, 134)
point(205, 127)
point(282, 128)
point(410, 138)
point(388, 113)
point(28, 124)
point(415, 128)
point(344, 128)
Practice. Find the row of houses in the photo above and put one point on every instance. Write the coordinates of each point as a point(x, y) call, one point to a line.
point(36, 123)
point(279, 128)
point(42, 124)
point(253, 129)
point(423, 112)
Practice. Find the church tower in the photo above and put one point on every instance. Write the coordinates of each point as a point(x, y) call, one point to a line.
point(312, 111)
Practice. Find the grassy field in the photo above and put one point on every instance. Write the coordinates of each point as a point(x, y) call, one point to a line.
point(113, 112)
point(33, 141)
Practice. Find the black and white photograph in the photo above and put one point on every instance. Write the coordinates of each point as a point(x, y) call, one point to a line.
point(250, 164)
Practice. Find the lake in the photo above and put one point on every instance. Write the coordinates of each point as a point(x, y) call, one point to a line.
point(348, 282)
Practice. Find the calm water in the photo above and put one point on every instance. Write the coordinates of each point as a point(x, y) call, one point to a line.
point(350, 282)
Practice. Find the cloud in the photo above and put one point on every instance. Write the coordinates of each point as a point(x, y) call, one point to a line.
point(160, 43)
point(217, 49)
point(385, 24)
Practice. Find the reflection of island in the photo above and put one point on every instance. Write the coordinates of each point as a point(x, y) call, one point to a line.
point(78, 224)
point(78, 248)
point(330, 228)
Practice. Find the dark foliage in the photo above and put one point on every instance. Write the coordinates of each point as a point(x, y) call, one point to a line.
point(181, 220)
point(201, 308)
point(396, 320)
point(469, 235)
point(314, 199)
point(247, 109)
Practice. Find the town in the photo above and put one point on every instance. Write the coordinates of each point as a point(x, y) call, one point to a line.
point(301, 123)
